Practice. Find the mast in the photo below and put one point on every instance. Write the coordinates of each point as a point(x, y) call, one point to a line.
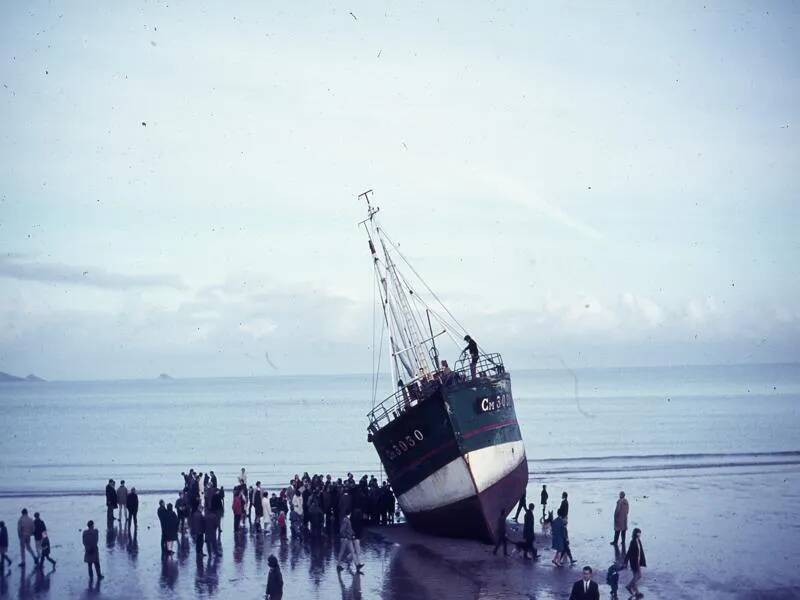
point(406, 342)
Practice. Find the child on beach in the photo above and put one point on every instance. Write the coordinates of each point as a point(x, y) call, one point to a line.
point(45, 551)
point(612, 579)
point(282, 523)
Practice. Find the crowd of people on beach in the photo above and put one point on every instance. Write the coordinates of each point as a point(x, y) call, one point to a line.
point(631, 556)
point(313, 506)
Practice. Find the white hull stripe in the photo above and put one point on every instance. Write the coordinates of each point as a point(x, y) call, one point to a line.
point(489, 465)
point(445, 486)
point(457, 479)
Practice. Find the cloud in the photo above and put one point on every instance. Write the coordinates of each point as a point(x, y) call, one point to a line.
point(20, 267)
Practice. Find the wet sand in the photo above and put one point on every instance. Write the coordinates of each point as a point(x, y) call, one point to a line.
point(729, 534)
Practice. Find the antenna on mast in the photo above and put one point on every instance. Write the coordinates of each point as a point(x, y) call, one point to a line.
point(370, 210)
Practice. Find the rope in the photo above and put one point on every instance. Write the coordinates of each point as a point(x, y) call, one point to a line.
point(427, 287)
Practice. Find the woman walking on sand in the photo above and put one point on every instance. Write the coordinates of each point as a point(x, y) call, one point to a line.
point(559, 534)
point(635, 558)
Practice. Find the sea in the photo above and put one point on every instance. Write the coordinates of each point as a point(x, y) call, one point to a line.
point(70, 437)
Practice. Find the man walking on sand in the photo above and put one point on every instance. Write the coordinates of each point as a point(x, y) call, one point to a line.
point(347, 535)
point(25, 530)
point(39, 528)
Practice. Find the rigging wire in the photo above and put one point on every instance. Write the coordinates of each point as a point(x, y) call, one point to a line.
point(374, 371)
point(427, 287)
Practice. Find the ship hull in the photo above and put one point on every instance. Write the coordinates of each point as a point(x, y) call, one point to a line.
point(456, 459)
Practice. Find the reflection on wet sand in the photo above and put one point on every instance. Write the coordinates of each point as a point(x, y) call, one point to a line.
point(353, 591)
point(417, 573)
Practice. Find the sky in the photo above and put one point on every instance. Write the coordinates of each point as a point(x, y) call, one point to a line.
point(599, 184)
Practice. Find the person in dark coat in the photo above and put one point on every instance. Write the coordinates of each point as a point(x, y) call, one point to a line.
point(527, 533)
point(523, 500)
point(4, 547)
point(543, 499)
point(258, 504)
point(559, 538)
point(585, 588)
point(132, 503)
point(274, 579)
point(45, 551)
point(211, 524)
point(182, 510)
point(197, 525)
point(501, 533)
point(564, 508)
point(635, 558)
point(111, 501)
point(39, 528)
point(171, 525)
point(621, 520)
point(162, 512)
point(91, 553)
point(472, 348)
point(357, 521)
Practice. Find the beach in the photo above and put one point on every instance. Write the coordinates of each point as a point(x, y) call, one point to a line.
point(713, 481)
point(695, 549)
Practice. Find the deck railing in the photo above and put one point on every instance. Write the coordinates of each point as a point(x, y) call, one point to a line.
point(414, 392)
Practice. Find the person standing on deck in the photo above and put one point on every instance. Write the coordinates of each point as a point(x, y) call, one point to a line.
point(621, 520)
point(501, 533)
point(472, 348)
point(25, 531)
point(543, 498)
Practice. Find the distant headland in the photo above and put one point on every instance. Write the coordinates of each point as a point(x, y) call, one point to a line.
point(7, 378)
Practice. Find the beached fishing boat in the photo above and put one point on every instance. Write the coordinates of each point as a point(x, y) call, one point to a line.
point(447, 437)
